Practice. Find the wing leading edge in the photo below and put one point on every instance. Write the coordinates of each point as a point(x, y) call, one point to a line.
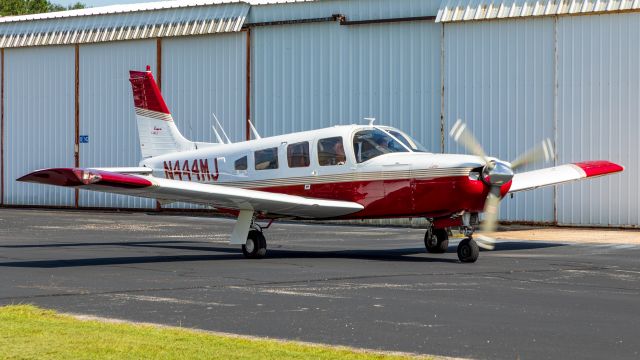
point(173, 190)
point(561, 174)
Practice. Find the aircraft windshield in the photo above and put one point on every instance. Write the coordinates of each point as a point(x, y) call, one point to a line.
point(368, 144)
point(407, 140)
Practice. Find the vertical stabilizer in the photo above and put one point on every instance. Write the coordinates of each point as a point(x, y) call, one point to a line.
point(156, 129)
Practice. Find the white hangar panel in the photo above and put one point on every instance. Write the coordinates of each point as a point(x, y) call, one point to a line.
point(354, 10)
point(598, 110)
point(499, 79)
point(316, 75)
point(107, 115)
point(39, 122)
point(203, 75)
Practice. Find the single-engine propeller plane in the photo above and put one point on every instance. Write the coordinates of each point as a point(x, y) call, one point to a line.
point(341, 172)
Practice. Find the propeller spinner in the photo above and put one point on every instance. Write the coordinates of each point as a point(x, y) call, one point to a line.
point(495, 174)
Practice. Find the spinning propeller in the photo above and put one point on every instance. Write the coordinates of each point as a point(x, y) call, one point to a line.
point(496, 173)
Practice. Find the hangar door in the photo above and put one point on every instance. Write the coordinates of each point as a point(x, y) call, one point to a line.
point(316, 75)
point(107, 116)
point(499, 78)
point(39, 121)
point(598, 110)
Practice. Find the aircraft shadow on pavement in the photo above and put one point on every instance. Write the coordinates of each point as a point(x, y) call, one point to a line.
point(232, 253)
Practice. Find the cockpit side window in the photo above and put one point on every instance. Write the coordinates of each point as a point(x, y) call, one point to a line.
point(331, 151)
point(298, 154)
point(368, 144)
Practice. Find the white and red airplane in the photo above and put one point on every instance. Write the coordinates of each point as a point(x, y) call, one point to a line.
point(340, 172)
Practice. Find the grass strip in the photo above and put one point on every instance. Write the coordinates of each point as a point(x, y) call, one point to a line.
point(29, 332)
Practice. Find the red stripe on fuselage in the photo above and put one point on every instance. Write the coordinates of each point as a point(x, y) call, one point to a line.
point(400, 198)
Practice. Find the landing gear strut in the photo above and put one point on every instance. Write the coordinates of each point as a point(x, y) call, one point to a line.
point(436, 240)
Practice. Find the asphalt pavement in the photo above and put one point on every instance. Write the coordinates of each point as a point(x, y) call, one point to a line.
point(358, 286)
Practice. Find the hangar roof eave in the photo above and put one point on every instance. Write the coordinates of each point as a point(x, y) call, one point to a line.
point(476, 10)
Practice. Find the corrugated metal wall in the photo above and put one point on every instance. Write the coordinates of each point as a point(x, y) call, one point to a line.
point(106, 112)
point(353, 10)
point(39, 121)
point(316, 75)
point(203, 75)
point(499, 78)
point(598, 111)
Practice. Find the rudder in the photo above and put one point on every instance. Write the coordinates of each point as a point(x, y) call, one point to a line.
point(156, 128)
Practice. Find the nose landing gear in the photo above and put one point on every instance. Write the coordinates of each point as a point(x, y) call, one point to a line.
point(468, 251)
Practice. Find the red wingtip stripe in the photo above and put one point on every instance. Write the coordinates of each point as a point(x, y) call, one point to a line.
point(78, 177)
point(146, 94)
point(599, 168)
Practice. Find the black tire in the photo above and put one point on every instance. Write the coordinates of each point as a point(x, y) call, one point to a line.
point(468, 251)
point(439, 242)
point(256, 246)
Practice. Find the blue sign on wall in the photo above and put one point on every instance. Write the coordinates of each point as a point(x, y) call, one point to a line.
point(84, 139)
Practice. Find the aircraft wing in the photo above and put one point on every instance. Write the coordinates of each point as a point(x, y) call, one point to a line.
point(560, 174)
point(220, 196)
point(127, 170)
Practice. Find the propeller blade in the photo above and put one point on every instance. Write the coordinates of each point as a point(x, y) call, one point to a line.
point(463, 136)
point(491, 210)
point(485, 242)
point(543, 151)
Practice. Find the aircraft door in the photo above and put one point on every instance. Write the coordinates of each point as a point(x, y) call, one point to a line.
point(398, 194)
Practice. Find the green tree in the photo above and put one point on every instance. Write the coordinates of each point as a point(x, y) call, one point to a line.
point(23, 7)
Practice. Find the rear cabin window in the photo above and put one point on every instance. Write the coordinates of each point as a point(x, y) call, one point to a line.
point(298, 154)
point(267, 159)
point(331, 151)
point(241, 164)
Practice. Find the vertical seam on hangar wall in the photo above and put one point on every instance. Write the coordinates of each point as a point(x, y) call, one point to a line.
point(248, 86)
point(76, 147)
point(159, 82)
point(442, 64)
point(159, 63)
point(1, 126)
point(555, 114)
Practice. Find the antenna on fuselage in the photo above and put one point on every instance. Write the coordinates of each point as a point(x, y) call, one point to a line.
point(221, 128)
point(254, 131)
point(370, 120)
point(218, 138)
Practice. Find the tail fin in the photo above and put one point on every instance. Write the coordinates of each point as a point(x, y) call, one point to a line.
point(158, 133)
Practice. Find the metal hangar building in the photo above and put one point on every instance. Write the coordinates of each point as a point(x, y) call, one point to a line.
point(517, 71)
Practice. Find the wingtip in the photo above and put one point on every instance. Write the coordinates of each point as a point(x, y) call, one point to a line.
point(599, 167)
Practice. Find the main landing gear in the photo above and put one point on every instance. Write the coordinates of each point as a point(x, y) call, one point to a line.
point(255, 246)
point(436, 241)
